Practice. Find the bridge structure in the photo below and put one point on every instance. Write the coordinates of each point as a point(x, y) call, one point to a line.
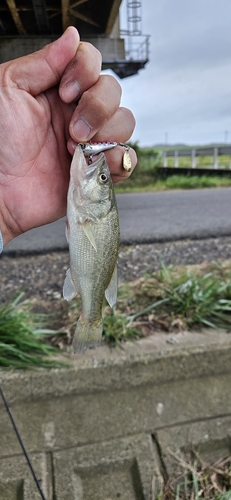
point(28, 25)
point(208, 160)
point(213, 151)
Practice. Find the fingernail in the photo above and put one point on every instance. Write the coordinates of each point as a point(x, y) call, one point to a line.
point(81, 130)
point(70, 91)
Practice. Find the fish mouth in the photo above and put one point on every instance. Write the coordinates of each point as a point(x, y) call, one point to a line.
point(87, 168)
point(81, 170)
point(97, 162)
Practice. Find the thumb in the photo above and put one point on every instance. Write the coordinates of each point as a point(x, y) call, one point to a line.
point(43, 69)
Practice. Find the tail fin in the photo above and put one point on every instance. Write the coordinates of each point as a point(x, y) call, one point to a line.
point(87, 335)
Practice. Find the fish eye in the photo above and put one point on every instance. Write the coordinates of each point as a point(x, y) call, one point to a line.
point(103, 178)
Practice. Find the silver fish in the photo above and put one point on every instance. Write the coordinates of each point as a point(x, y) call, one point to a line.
point(93, 236)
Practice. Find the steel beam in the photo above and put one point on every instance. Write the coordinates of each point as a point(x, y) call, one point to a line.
point(112, 16)
point(16, 17)
point(40, 12)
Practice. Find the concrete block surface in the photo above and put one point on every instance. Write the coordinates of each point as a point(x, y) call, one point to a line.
point(16, 481)
point(210, 439)
point(90, 428)
point(118, 469)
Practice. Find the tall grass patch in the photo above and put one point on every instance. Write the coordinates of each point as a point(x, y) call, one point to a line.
point(177, 299)
point(191, 182)
point(24, 337)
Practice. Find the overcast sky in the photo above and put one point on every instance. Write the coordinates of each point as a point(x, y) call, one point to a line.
point(184, 93)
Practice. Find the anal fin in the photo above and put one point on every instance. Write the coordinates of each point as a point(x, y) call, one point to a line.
point(111, 291)
point(67, 230)
point(69, 291)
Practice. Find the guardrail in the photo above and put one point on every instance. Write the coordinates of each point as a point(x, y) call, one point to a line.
point(215, 152)
point(136, 46)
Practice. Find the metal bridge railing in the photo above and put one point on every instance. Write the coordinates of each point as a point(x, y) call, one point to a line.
point(136, 46)
point(214, 152)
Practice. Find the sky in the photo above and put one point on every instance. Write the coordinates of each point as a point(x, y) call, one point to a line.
point(184, 93)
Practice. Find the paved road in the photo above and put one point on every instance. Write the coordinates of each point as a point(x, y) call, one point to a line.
point(149, 217)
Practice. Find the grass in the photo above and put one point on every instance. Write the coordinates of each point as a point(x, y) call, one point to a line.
point(148, 182)
point(23, 337)
point(117, 329)
point(199, 480)
point(183, 299)
point(193, 299)
point(171, 300)
point(192, 182)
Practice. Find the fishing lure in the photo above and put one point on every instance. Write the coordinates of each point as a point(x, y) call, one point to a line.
point(93, 148)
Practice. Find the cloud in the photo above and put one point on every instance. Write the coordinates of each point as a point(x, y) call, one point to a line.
point(185, 89)
point(204, 49)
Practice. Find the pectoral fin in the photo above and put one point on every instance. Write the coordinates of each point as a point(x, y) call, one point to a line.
point(87, 229)
point(69, 291)
point(111, 291)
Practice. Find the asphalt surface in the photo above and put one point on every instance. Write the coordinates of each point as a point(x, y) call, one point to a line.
point(148, 218)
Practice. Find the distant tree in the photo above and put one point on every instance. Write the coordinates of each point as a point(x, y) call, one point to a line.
point(135, 146)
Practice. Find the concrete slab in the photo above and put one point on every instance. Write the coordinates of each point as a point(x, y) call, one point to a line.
point(91, 425)
point(119, 469)
point(16, 482)
point(152, 360)
point(210, 438)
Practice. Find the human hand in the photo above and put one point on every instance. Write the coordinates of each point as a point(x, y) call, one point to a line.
point(38, 130)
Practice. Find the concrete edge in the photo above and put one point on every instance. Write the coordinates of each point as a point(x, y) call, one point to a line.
point(148, 361)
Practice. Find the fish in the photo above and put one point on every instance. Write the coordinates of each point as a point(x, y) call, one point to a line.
point(92, 232)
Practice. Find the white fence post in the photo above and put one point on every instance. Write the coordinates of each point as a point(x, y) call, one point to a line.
point(194, 159)
point(176, 162)
point(215, 158)
point(211, 151)
point(165, 158)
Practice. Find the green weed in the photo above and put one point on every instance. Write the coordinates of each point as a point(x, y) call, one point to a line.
point(152, 182)
point(224, 496)
point(185, 298)
point(117, 329)
point(199, 480)
point(192, 182)
point(23, 337)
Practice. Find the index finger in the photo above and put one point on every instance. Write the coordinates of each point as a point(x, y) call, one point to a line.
point(81, 73)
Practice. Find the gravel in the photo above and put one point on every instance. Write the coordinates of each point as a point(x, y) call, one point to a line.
point(42, 276)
